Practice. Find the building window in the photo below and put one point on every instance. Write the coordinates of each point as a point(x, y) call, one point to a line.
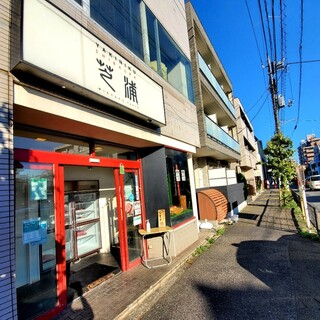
point(71, 145)
point(178, 186)
point(122, 19)
point(79, 2)
point(134, 25)
point(46, 142)
point(167, 59)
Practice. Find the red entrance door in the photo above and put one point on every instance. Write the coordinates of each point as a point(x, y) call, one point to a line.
point(129, 215)
point(40, 180)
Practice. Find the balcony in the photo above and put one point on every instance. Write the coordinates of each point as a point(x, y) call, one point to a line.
point(216, 133)
point(214, 83)
point(248, 159)
point(244, 131)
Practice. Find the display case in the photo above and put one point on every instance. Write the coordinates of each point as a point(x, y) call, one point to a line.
point(88, 238)
point(85, 206)
point(82, 218)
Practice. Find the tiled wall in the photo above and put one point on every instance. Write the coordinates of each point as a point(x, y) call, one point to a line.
point(7, 264)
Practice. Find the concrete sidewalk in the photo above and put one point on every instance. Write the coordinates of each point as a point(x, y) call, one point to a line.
point(117, 297)
point(261, 268)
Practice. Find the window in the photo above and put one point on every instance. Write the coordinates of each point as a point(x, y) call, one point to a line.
point(43, 141)
point(177, 67)
point(116, 152)
point(64, 144)
point(133, 24)
point(178, 186)
point(122, 19)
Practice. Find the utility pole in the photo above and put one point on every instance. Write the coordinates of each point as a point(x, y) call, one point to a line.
point(302, 193)
point(272, 68)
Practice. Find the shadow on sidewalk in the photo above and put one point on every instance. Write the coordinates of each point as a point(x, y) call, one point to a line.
point(265, 212)
point(278, 280)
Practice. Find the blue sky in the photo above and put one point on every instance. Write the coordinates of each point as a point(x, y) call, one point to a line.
point(242, 53)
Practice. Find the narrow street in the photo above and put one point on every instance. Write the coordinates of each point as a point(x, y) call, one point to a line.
point(259, 269)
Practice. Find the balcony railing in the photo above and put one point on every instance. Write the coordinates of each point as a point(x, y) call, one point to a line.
point(214, 83)
point(215, 132)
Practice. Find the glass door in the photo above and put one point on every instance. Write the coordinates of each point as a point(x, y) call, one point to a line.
point(36, 258)
point(130, 217)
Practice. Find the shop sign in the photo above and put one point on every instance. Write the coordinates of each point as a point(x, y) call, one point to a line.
point(161, 218)
point(178, 178)
point(183, 175)
point(58, 45)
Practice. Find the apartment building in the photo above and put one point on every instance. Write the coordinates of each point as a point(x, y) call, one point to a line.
point(261, 173)
point(248, 147)
point(216, 159)
point(98, 134)
point(306, 150)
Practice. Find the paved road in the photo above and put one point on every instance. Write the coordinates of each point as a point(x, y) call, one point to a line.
point(313, 197)
point(259, 269)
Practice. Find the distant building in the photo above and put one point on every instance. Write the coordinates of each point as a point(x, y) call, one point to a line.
point(261, 172)
point(248, 146)
point(308, 152)
point(315, 165)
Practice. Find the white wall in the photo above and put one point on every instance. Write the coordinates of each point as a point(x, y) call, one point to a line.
point(222, 177)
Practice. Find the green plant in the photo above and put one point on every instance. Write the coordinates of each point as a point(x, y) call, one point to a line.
point(220, 231)
point(258, 182)
point(209, 241)
point(287, 200)
point(304, 231)
point(278, 154)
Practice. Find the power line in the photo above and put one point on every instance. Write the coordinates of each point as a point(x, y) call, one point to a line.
point(263, 93)
point(259, 109)
point(263, 28)
point(258, 48)
point(300, 64)
point(305, 61)
point(283, 46)
point(254, 33)
point(274, 31)
point(268, 26)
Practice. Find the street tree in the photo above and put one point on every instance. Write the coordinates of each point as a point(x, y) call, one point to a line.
point(279, 153)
